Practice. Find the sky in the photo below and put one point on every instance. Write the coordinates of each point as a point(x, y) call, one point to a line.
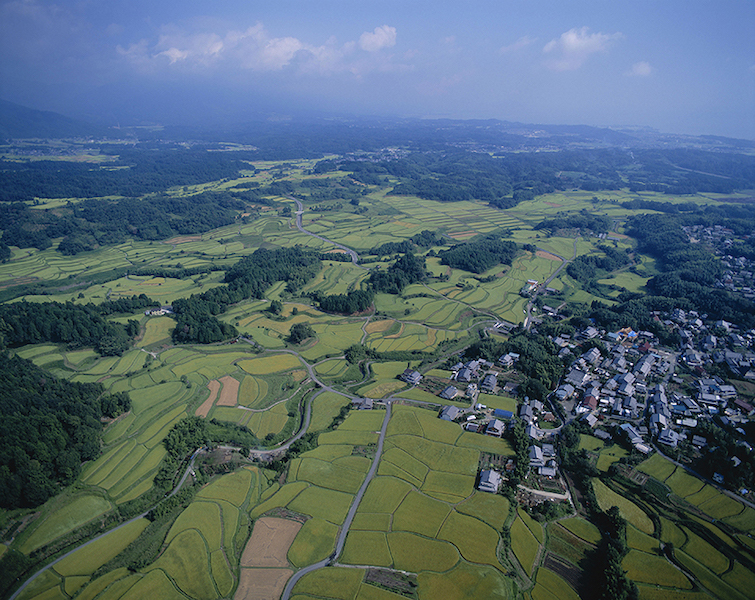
point(679, 66)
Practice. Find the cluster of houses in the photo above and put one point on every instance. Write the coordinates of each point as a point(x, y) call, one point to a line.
point(739, 271)
point(620, 378)
point(474, 377)
point(625, 378)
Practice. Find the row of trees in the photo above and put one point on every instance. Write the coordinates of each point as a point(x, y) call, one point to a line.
point(424, 239)
point(581, 220)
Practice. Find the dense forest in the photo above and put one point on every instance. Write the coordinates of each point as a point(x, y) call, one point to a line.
point(479, 255)
point(48, 427)
point(76, 325)
point(505, 179)
point(92, 223)
point(250, 277)
point(583, 221)
point(134, 171)
point(689, 270)
point(587, 268)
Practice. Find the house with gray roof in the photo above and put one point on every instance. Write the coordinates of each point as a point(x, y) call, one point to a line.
point(490, 481)
point(449, 413)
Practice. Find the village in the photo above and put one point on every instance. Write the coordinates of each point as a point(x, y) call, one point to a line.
point(624, 387)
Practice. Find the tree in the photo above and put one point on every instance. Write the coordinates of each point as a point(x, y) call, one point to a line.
point(300, 332)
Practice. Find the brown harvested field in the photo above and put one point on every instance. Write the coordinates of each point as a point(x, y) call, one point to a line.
point(299, 375)
point(569, 573)
point(204, 410)
point(548, 255)
point(230, 394)
point(553, 204)
point(262, 584)
point(404, 224)
point(269, 544)
point(378, 326)
point(182, 239)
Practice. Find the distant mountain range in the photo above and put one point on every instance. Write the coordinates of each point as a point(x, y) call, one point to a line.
point(339, 135)
point(20, 122)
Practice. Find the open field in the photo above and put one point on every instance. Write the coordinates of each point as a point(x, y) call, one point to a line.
point(657, 466)
point(367, 548)
point(630, 511)
point(339, 583)
point(315, 541)
point(78, 511)
point(269, 544)
point(476, 541)
point(262, 584)
point(88, 559)
point(524, 545)
point(582, 529)
point(652, 569)
point(493, 509)
point(549, 586)
point(187, 549)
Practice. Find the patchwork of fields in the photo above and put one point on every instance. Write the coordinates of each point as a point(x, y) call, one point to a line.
point(245, 533)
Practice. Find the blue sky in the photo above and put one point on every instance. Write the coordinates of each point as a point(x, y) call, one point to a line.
point(677, 66)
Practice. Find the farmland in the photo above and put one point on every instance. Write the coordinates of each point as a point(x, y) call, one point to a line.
point(245, 527)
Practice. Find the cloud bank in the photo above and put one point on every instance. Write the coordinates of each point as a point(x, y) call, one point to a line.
point(255, 49)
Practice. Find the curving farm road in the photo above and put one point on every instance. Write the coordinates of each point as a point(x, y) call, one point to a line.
point(299, 211)
point(102, 535)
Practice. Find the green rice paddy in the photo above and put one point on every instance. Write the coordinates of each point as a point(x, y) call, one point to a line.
point(421, 512)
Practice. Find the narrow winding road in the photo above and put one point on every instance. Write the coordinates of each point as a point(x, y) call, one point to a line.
point(299, 210)
point(102, 535)
point(564, 262)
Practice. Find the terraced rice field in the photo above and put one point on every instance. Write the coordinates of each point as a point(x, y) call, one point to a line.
point(524, 545)
point(76, 512)
point(421, 512)
point(630, 511)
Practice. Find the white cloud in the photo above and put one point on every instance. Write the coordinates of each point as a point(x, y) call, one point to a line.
point(640, 69)
point(256, 50)
point(174, 54)
point(522, 42)
point(574, 47)
point(383, 37)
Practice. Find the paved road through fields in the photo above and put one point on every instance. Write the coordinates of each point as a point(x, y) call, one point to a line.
point(94, 539)
point(349, 517)
point(300, 209)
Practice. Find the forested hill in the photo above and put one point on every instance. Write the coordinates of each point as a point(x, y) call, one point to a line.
point(48, 427)
point(72, 324)
point(249, 278)
point(18, 121)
